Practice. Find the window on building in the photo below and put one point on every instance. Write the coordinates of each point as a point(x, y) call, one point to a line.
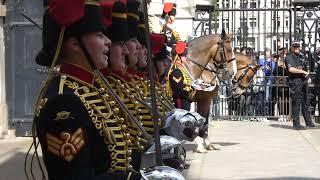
point(216, 24)
point(225, 23)
point(244, 4)
point(287, 3)
point(243, 22)
point(287, 22)
point(253, 4)
point(226, 4)
point(253, 22)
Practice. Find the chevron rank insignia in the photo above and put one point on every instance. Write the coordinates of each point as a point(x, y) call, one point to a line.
point(177, 80)
point(67, 145)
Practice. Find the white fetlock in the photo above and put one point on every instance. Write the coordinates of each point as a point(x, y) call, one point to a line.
point(201, 150)
point(208, 145)
point(200, 146)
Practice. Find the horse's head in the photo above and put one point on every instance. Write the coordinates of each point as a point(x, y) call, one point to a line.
point(222, 56)
point(246, 70)
point(215, 49)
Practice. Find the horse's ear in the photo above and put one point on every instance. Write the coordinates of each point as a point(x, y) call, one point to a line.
point(229, 36)
point(223, 34)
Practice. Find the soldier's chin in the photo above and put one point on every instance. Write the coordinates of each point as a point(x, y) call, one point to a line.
point(237, 92)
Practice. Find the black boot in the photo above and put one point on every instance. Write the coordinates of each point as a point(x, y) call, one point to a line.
point(299, 127)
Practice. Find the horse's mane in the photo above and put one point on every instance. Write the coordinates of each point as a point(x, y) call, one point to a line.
point(196, 45)
point(243, 58)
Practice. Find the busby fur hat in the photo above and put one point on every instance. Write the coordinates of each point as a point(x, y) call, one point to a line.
point(71, 18)
point(169, 8)
point(158, 44)
point(115, 20)
point(133, 17)
point(141, 29)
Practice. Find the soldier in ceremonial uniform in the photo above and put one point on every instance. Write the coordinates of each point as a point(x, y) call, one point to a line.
point(82, 131)
point(122, 82)
point(179, 82)
point(168, 28)
point(298, 78)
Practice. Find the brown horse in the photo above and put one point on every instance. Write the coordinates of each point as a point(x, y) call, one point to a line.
point(215, 49)
point(246, 70)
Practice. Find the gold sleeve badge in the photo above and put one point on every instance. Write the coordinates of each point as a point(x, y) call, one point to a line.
point(67, 145)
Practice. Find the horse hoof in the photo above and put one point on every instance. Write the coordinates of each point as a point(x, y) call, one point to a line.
point(211, 147)
point(202, 151)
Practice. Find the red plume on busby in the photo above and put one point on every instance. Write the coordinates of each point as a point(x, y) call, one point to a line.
point(169, 8)
point(65, 12)
point(181, 47)
point(158, 41)
point(158, 45)
point(67, 18)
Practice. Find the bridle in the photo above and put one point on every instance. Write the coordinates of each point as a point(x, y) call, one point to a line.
point(237, 82)
point(222, 65)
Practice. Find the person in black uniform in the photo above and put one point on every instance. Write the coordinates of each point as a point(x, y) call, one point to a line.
point(82, 131)
point(298, 87)
point(179, 80)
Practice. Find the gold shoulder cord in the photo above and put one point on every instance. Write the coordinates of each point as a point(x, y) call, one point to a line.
point(130, 96)
point(104, 114)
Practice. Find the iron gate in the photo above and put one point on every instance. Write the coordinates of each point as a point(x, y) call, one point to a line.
point(256, 25)
point(23, 76)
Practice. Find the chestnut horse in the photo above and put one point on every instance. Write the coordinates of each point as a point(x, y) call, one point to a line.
point(246, 69)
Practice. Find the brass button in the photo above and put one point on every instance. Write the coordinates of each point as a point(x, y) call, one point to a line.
point(112, 103)
point(101, 90)
point(129, 152)
point(121, 120)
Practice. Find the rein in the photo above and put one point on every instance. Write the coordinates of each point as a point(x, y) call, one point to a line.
point(243, 74)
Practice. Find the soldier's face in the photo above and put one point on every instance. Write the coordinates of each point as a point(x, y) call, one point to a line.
point(97, 45)
point(161, 65)
point(142, 57)
point(134, 47)
point(118, 53)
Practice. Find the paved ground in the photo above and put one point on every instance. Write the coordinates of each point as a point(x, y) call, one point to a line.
point(258, 150)
point(249, 150)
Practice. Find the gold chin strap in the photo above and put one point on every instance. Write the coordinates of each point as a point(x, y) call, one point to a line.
point(56, 55)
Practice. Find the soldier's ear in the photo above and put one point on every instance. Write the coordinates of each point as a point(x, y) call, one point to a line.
point(72, 44)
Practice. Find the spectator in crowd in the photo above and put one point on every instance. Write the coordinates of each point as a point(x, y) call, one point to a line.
point(243, 50)
point(281, 91)
point(259, 93)
point(268, 66)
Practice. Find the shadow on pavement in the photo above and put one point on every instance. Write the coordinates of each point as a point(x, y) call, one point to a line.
point(12, 166)
point(285, 178)
point(283, 126)
point(193, 146)
point(225, 143)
